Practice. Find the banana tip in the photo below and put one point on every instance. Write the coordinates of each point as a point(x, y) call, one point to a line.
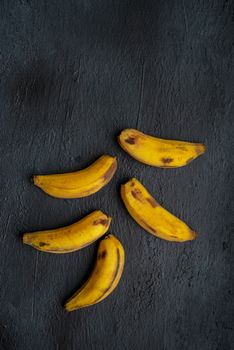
point(69, 308)
point(194, 235)
point(201, 148)
point(34, 180)
point(131, 182)
point(66, 308)
point(25, 238)
point(108, 236)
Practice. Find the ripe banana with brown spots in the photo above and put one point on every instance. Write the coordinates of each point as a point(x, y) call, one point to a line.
point(151, 216)
point(104, 277)
point(159, 152)
point(80, 183)
point(70, 238)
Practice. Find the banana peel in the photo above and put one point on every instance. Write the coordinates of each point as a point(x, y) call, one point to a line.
point(80, 183)
point(147, 212)
point(159, 152)
point(70, 238)
point(104, 277)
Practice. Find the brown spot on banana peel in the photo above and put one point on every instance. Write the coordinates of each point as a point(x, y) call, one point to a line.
point(42, 244)
point(110, 172)
point(131, 140)
point(135, 193)
point(103, 222)
point(152, 202)
point(167, 160)
point(182, 148)
point(102, 255)
point(149, 227)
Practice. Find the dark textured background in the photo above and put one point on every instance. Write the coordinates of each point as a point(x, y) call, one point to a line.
point(73, 74)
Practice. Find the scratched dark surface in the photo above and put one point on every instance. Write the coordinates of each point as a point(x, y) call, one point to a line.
point(73, 74)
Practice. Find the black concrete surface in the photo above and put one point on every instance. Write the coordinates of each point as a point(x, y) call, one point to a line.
point(72, 75)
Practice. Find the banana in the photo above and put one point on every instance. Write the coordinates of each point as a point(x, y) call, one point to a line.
point(104, 277)
point(70, 238)
point(159, 152)
point(81, 183)
point(151, 216)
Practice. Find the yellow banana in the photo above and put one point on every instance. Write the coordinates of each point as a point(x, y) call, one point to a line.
point(104, 277)
point(151, 216)
point(159, 152)
point(81, 183)
point(70, 238)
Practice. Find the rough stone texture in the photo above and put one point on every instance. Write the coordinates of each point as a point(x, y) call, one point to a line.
point(72, 75)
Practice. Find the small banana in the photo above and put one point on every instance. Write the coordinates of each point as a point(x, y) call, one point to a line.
point(159, 152)
point(104, 277)
point(81, 183)
point(151, 216)
point(70, 238)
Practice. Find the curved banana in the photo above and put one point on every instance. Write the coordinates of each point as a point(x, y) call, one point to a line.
point(104, 277)
point(159, 152)
point(70, 238)
point(151, 216)
point(81, 183)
